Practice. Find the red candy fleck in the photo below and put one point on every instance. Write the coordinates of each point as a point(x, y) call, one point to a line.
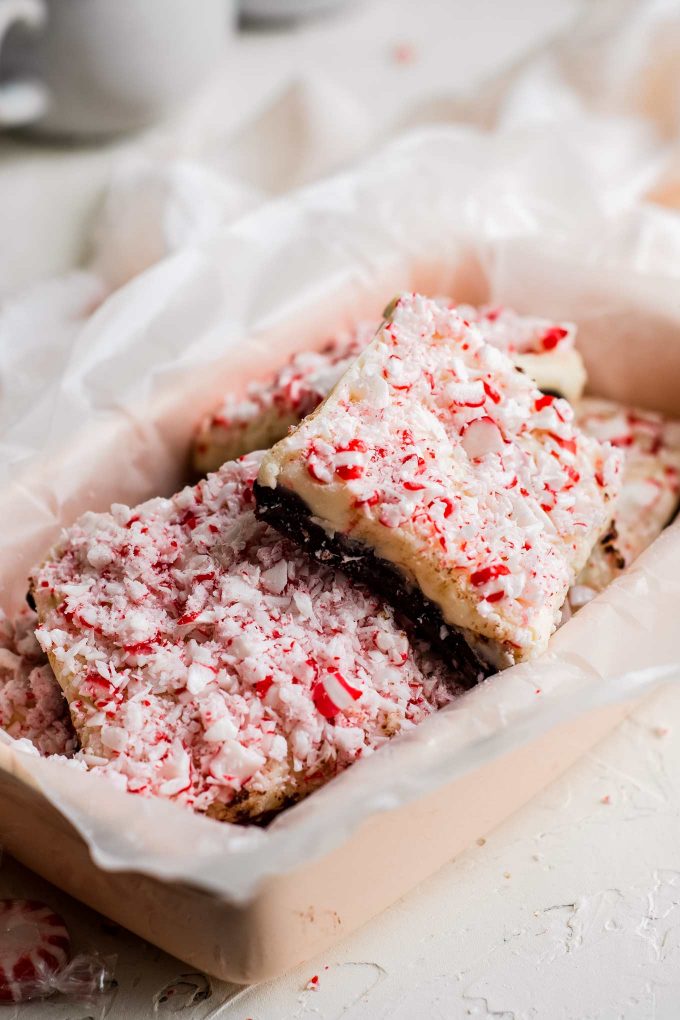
point(481, 577)
point(353, 445)
point(98, 681)
point(348, 472)
point(387, 523)
point(188, 618)
point(413, 460)
point(262, 686)
point(552, 337)
point(467, 403)
point(545, 401)
point(369, 501)
point(141, 648)
point(333, 694)
point(189, 521)
point(565, 444)
point(495, 596)
point(492, 392)
point(404, 53)
point(313, 472)
point(322, 702)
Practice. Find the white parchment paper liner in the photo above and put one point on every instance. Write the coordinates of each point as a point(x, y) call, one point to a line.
point(516, 219)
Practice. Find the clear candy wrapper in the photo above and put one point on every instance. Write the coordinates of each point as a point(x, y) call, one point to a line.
point(88, 979)
point(37, 959)
point(85, 981)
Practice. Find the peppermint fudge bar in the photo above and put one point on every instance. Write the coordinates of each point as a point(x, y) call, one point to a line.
point(264, 415)
point(543, 349)
point(209, 661)
point(32, 706)
point(650, 492)
point(438, 472)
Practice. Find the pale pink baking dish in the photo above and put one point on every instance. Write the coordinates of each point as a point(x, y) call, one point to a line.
point(357, 265)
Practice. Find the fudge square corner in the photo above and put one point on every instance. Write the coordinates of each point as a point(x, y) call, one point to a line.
point(436, 471)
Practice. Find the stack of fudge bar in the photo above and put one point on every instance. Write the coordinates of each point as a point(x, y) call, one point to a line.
point(437, 493)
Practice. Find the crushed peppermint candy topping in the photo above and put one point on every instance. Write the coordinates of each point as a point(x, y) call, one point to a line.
point(519, 334)
point(198, 648)
point(269, 408)
point(32, 706)
point(650, 492)
point(443, 458)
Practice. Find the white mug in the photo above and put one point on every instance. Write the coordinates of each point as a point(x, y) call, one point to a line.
point(284, 10)
point(22, 100)
point(100, 67)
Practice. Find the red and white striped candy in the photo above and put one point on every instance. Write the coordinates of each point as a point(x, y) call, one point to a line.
point(332, 694)
point(34, 946)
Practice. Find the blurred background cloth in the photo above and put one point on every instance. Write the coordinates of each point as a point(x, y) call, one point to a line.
point(288, 106)
point(291, 104)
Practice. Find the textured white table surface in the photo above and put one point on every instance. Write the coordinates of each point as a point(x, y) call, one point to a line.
point(571, 909)
point(568, 911)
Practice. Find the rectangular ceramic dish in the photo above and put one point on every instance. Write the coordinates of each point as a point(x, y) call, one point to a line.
point(146, 367)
